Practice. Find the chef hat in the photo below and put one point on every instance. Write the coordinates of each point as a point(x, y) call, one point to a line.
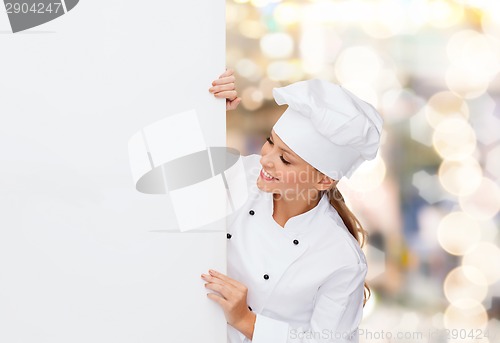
point(328, 126)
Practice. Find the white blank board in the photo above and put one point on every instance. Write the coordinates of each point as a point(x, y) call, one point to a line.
point(84, 257)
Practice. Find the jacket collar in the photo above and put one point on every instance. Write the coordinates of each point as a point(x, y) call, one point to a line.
point(300, 223)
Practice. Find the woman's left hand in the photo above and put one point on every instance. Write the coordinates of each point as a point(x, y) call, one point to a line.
point(224, 87)
point(232, 298)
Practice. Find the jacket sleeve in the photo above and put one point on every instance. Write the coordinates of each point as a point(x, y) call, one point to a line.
point(337, 312)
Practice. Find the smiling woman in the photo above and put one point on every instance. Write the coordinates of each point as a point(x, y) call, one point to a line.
point(295, 263)
point(295, 184)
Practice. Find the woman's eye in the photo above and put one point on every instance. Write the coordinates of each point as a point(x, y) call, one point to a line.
point(269, 140)
point(283, 160)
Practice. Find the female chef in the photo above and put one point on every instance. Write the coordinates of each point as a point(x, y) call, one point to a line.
point(296, 270)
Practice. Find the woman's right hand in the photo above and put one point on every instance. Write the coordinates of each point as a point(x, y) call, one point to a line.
point(224, 87)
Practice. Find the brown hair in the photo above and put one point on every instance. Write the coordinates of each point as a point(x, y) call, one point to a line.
point(351, 222)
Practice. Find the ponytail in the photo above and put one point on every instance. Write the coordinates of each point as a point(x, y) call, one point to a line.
point(352, 223)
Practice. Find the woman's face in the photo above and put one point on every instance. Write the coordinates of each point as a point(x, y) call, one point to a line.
point(285, 173)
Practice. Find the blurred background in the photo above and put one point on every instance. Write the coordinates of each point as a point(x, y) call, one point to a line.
point(430, 200)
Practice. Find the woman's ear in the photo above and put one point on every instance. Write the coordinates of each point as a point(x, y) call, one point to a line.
point(326, 183)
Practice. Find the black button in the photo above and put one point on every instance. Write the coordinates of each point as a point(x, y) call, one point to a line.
point(295, 242)
point(266, 276)
point(252, 212)
point(229, 236)
point(249, 308)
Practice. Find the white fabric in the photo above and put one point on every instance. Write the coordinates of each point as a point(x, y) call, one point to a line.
point(315, 285)
point(328, 126)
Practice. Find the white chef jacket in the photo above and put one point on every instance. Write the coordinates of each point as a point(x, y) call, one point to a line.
point(305, 281)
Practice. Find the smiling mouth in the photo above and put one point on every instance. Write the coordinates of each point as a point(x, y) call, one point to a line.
point(266, 176)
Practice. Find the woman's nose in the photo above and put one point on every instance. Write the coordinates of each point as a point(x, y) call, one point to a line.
point(265, 161)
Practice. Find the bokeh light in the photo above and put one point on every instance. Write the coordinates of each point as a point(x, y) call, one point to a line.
point(474, 62)
point(460, 177)
point(262, 3)
point(287, 13)
point(368, 176)
point(458, 233)
point(235, 14)
point(252, 98)
point(484, 202)
point(444, 105)
point(248, 68)
point(454, 139)
point(465, 314)
point(444, 13)
point(388, 19)
point(252, 29)
point(484, 257)
point(358, 64)
point(317, 47)
point(364, 91)
point(277, 45)
point(458, 286)
point(284, 71)
point(490, 21)
point(466, 82)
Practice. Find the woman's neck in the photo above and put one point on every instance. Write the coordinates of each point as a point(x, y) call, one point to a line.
point(284, 209)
